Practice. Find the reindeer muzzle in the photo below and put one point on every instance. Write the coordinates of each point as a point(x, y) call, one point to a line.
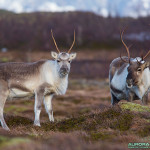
point(129, 83)
point(64, 71)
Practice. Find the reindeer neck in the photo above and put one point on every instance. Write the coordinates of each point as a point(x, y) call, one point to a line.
point(144, 86)
point(52, 77)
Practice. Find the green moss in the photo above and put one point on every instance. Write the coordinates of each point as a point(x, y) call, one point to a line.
point(65, 125)
point(4, 59)
point(27, 102)
point(113, 118)
point(110, 113)
point(70, 124)
point(6, 141)
point(15, 109)
point(123, 122)
point(134, 107)
point(147, 120)
point(17, 121)
point(48, 126)
point(90, 125)
point(3, 139)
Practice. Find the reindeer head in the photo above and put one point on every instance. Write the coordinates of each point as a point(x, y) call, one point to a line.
point(137, 69)
point(63, 59)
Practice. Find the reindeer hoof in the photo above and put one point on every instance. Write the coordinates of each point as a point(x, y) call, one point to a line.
point(6, 128)
point(37, 124)
point(51, 119)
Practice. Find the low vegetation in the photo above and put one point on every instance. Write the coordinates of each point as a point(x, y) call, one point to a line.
point(134, 107)
point(83, 119)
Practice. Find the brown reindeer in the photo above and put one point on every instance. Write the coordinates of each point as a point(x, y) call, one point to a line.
point(129, 78)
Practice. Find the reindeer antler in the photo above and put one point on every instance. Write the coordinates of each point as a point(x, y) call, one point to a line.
point(123, 59)
point(127, 49)
point(55, 41)
point(146, 55)
point(72, 43)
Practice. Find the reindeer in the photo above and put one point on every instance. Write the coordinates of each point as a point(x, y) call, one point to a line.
point(129, 78)
point(42, 79)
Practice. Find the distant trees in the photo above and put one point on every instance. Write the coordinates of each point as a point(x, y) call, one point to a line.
point(32, 30)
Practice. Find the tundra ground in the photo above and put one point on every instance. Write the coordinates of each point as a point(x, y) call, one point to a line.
point(84, 118)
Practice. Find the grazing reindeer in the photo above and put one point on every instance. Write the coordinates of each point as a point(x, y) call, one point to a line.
point(42, 78)
point(129, 78)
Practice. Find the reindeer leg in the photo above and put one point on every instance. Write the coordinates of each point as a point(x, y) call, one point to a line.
point(114, 99)
point(131, 96)
point(39, 96)
point(4, 92)
point(48, 106)
point(145, 99)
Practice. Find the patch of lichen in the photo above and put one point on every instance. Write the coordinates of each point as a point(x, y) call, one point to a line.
point(134, 107)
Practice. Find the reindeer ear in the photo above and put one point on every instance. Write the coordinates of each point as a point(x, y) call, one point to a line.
point(72, 56)
point(54, 55)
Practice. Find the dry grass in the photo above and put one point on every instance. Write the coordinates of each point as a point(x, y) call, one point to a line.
point(83, 120)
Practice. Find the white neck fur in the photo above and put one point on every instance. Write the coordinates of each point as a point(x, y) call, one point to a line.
point(51, 76)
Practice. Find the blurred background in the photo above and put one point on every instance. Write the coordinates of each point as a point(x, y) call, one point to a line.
point(25, 35)
point(25, 27)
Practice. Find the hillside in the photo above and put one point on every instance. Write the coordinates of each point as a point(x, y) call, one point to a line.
point(32, 30)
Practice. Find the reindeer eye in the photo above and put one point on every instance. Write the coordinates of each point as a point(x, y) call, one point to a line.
point(139, 69)
point(69, 61)
point(58, 61)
